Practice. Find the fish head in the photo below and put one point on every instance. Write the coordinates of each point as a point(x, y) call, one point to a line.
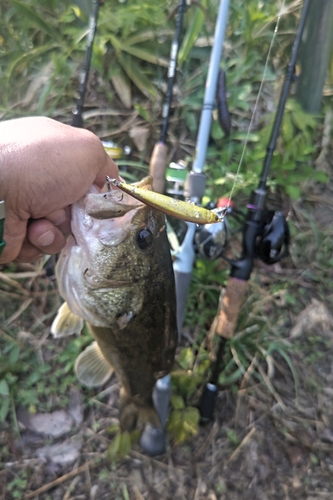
point(116, 246)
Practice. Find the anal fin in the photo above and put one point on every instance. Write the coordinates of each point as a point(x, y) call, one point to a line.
point(91, 367)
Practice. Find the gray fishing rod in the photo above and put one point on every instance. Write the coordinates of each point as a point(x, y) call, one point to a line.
point(77, 120)
point(152, 439)
point(265, 235)
point(196, 180)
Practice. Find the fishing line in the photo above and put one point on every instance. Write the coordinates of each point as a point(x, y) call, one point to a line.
point(256, 103)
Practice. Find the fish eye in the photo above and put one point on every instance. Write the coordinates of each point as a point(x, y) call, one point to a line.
point(144, 238)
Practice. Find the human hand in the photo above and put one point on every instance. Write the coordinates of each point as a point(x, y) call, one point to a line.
point(45, 166)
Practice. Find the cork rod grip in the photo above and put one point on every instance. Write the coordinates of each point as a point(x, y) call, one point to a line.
point(230, 303)
point(158, 163)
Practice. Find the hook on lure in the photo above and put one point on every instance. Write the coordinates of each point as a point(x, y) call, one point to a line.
point(179, 209)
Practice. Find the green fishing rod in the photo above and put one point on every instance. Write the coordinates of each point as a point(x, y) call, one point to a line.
point(264, 235)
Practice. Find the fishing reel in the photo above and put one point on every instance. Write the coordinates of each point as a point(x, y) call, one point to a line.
point(273, 243)
point(176, 175)
point(212, 239)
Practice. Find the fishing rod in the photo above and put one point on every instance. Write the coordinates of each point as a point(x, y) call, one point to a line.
point(77, 120)
point(153, 439)
point(265, 235)
point(196, 180)
point(158, 161)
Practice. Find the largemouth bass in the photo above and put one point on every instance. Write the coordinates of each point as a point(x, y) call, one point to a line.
point(116, 274)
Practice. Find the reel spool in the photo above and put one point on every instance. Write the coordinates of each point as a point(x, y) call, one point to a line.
point(176, 175)
point(212, 239)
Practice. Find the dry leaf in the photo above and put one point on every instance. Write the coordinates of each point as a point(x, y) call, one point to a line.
point(314, 315)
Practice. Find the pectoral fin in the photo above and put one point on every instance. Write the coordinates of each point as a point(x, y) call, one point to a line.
point(66, 323)
point(91, 368)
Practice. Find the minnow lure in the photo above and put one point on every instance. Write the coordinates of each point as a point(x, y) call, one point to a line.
point(176, 208)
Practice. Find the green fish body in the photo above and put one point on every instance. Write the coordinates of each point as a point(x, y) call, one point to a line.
point(116, 274)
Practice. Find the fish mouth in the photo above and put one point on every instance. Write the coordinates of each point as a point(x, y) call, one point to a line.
point(97, 282)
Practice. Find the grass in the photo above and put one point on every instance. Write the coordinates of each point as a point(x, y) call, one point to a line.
point(269, 382)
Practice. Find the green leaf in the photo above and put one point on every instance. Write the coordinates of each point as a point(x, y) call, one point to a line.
point(288, 130)
point(124, 445)
point(292, 367)
point(23, 61)
point(136, 75)
point(14, 356)
point(191, 420)
point(232, 436)
point(4, 408)
point(148, 35)
point(229, 379)
point(122, 86)
point(192, 33)
point(120, 446)
point(114, 447)
point(177, 402)
point(144, 55)
point(143, 112)
point(176, 427)
point(216, 131)
point(293, 191)
point(320, 176)
point(125, 492)
point(4, 389)
point(186, 358)
point(31, 14)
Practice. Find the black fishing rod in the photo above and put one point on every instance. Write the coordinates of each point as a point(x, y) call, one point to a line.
point(265, 234)
point(77, 120)
point(158, 161)
point(152, 440)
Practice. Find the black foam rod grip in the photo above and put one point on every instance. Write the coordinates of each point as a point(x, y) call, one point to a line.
point(207, 403)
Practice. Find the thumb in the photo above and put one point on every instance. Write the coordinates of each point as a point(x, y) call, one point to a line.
point(109, 168)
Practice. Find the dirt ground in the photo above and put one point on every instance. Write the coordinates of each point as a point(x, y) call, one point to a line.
point(267, 441)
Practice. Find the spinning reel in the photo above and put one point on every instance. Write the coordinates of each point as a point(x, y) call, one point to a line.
point(211, 240)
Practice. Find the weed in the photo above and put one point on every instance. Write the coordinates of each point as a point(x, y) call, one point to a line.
point(29, 382)
point(17, 486)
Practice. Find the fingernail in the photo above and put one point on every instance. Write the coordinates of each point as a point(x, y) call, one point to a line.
point(46, 238)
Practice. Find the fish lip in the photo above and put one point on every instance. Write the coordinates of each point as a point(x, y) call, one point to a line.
point(105, 285)
point(110, 286)
point(117, 284)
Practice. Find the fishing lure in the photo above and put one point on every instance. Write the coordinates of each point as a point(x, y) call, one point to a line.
point(176, 208)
